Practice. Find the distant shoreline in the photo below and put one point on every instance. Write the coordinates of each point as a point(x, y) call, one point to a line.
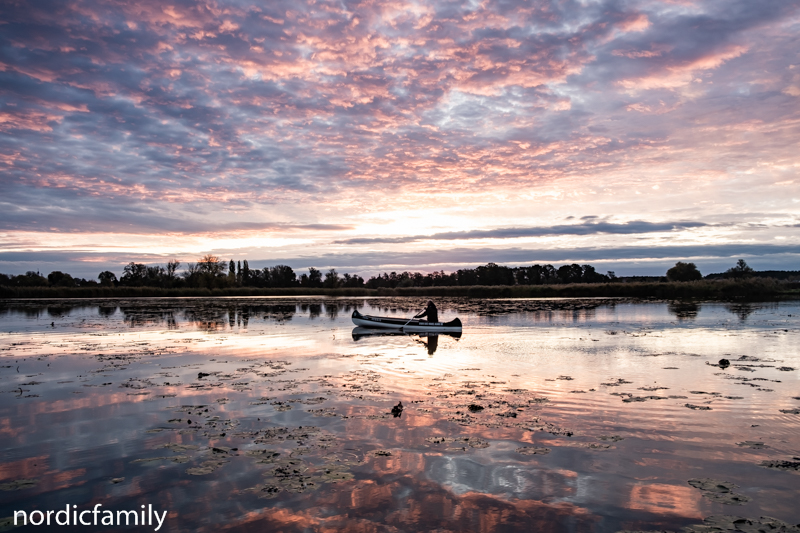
point(752, 289)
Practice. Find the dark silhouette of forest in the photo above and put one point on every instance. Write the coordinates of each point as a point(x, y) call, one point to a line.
point(210, 273)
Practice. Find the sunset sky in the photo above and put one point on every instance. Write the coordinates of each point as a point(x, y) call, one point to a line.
point(423, 135)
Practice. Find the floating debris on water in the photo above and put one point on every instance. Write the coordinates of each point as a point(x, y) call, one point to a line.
point(594, 445)
point(617, 383)
point(756, 445)
point(281, 406)
point(719, 491)
point(725, 523)
point(470, 442)
point(206, 467)
point(174, 459)
point(527, 450)
point(19, 484)
point(397, 410)
point(780, 464)
point(324, 411)
point(179, 448)
point(381, 462)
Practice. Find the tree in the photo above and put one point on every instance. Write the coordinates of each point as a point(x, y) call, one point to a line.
point(331, 279)
point(549, 274)
point(107, 278)
point(282, 276)
point(466, 277)
point(494, 274)
point(245, 273)
point(191, 270)
point(134, 274)
point(570, 273)
point(741, 270)
point(210, 264)
point(155, 276)
point(60, 279)
point(591, 275)
point(352, 281)
point(684, 272)
point(314, 278)
point(172, 267)
point(232, 273)
point(30, 279)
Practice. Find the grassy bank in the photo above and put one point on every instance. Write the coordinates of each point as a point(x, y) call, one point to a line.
point(747, 289)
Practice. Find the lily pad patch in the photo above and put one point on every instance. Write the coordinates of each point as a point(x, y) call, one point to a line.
point(719, 491)
point(529, 450)
point(19, 484)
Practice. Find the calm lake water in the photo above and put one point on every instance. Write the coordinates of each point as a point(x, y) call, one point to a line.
point(275, 414)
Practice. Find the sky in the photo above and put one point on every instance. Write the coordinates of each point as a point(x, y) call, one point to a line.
point(373, 136)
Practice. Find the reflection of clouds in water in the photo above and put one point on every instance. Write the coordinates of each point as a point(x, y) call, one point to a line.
point(464, 474)
point(416, 488)
point(662, 498)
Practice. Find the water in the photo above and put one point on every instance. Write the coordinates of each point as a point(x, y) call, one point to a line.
point(274, 414)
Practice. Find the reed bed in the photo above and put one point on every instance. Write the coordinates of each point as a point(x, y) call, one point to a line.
point(746, 289)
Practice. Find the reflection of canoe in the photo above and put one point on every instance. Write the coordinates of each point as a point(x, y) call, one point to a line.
point(361, 332)
point(409, 326)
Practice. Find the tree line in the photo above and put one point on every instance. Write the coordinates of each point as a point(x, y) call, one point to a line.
point(492, 274)
point(213, 273)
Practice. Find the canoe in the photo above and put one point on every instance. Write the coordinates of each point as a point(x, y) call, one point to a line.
point(410, 326)
point(360, 332)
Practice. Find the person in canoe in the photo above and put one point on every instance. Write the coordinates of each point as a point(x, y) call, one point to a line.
point(430, 312)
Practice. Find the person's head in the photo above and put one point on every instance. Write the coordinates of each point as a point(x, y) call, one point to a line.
point(430, 303)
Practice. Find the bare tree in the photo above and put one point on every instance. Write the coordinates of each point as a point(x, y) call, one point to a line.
point(211, 264)
point(172, 267)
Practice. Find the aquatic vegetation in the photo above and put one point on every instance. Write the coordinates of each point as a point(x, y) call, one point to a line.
point(286, 412)
point(719, 491)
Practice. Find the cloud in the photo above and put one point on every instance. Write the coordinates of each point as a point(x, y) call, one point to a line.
point(204, 116)
point(643, 258)
point(472, 256)
point(590, 228)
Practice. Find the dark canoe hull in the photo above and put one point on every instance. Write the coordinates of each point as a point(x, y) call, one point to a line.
point(360, 332)
point(410, 326)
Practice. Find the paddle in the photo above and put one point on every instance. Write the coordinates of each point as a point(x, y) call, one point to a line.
point(404, 325)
